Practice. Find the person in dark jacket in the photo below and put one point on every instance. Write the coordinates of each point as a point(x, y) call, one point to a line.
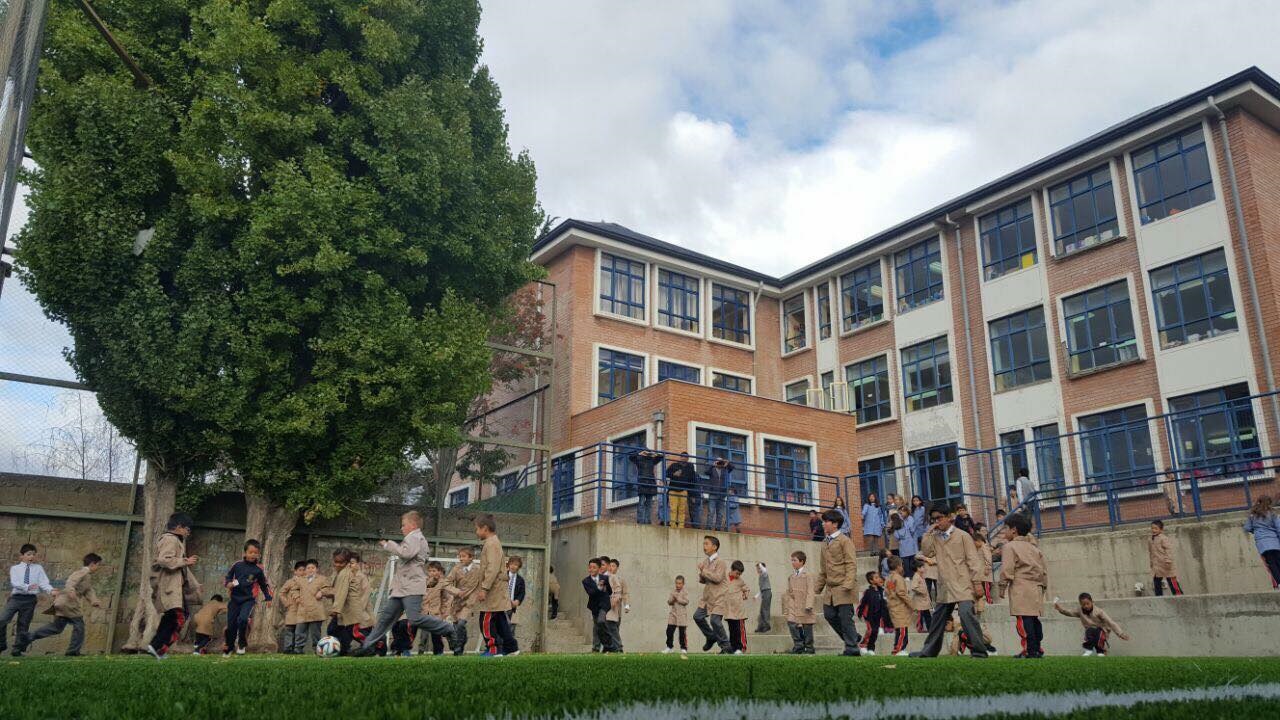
point(646, 461)
point(244, 580)
point(598, 596)
point(872, 610)
point(719, 476)
point(682, 479)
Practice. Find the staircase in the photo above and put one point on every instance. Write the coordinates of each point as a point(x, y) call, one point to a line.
point(565, 636)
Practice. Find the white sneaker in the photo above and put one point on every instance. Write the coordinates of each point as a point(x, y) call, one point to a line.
point(993, 652)
point(666, 651)
point(737, 652)
point(195, 652)
point(514, 653)
point(866, 651)
point(684, 653)
point(904, 653)
point(239, 650)
point(1087, 653)
point(152, 652)
point(1102, 654)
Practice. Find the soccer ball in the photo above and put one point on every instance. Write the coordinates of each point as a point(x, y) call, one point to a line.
point(328, 646)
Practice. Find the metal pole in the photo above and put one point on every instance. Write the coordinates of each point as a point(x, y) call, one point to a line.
point(140, 78)
point(124, 554)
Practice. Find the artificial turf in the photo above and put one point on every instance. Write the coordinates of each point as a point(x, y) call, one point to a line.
point(190, 688)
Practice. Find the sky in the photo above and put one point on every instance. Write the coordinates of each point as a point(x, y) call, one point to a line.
point(773, 133)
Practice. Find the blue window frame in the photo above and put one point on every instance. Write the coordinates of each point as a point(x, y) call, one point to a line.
point(861, 297)
point(1008, 239)
point(1083, 211)
point(1019, 349)
point(460, 498)
point(730, 314)
point(676, 371)
point(731, 382)
point(624, 475)
point(1215, 432)
point(1116, 447)
point(621, 286)
point(562, 484)
point(1099, 327)
point(937, 478)
point(678, 304)
point(926, 374)
point(1172, 175)
point(508, 482)
point(711, 444)
point(918, 271)
point(825, 381)
point(868, 383)
point(797, 393)
point(824, 310)
point(620, 373)
point(1013, 455)
point(795, 334)
point(1048, 446)
point(1193, 299)
point(787, 472)
point(879, 476)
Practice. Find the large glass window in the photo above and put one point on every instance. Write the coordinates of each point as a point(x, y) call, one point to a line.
point(621, 286)
point(1100, 327)
point(878, 476)
point(918, 271)
point(796, 392)
point(1193, 299)
point(623, 472)
point(787, 472)
point(676, 371)
point(1083, 211)
point(861, 297)
point(1008, 239)
point(678, 300)
point(1020, 349)
point(620, 373)
point(936, 472)
point(1172, 175)
point(926, 374)
point(731, 314)
point(868, 383)
point(794, 333)
point(1013, 455)
point(1116, 446)
point(824, 310)
point(1215, 432)
point(1049, 456)
point(712, 444)
point(562, 484)
point(731, 382)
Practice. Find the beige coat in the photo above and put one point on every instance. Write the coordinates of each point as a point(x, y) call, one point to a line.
point(678, 602)
point(1023, 578)
point(799, 600)
point(411, 556)
point(460, 585)
point(926, 548)
point(1096, 619)
point(78, 588)
point(433, 600)
point(714, 576)
point(919, 589)
point(351, 597)
point(310, 607)
point(959, 565)
point(838, 575)
point(984, 551)
point(493, 577)
point(205, 620)
point(735, 600)
point(553, 586)
point(290, 597)
point(619, 599)
point(897, 595)
point(173, 586)
point(1160, 550)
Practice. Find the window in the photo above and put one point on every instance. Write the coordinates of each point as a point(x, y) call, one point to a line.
point(926, 374)
point(918, 270)
point(826, 380)
point(1083, 210)
point(678, 300)
point(1049, 456)
point(1099, 327)
point(824, 310)
point(620, 374)
point(1008, 239)
point(1215, 432)
point(1193, 299)
point(793, 329)
point(861, 297)
point(621, 286)
point(1116, 446)
point(676, 371)
point(1013, 455)
point(937, 476)
point(796, 393)
point(1020, 349)
point(712, 444)
point(869, 388)
point(731, 382)
point(877, 476)
point(460, 498)
point(623, 473)
point(1172, 175)
point(562, 484)
point(787, 472)
point(508, 482)
point(731, 314)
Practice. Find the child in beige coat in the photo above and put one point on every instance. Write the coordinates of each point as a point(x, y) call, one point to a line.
point(678, 617)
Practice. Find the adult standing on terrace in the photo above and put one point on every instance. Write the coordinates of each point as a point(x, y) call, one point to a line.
point(645, 461)
point(682, 483)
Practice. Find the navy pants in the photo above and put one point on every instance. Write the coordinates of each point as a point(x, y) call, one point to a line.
point(239, 618)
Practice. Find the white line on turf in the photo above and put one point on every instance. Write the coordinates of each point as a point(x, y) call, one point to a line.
point(932, 708)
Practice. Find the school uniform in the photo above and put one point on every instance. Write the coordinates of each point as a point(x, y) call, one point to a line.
point(1024, 581)
point(598, 600)
point(908, 546)
point(713, 574)
point(205, 621)
point(619, 599)
point(965, 523)
point(407, 585)
point(959, 567)
point(1266, 539)
point(310, 612)
point(1160, 551)
point(897, 597)
point(67, 610)
point(174, 588)
point(984, 550)
point(921, 603)
point(678, 618)
point(872, 611)
point(553, 596)
point(797, 607)
point(350, 608)
point(1098, 626)
point(289, 596)
point(22, 601)
point(763, 624)
point(837, 576)
point(872, 526)
point(243, 581)
point(498, 637)
point(516, 592)
point(435, 604)
point(930, 571)
point(735, 613)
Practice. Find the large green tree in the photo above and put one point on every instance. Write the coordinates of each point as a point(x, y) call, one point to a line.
point(332, 217)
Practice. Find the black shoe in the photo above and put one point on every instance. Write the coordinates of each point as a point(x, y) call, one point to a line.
point(706, 646)
point(16, 652)
point(1020, 656)
point(72, 654)
point(851, 653)
point(364, 651)
point(916, 654)
point(810, 651)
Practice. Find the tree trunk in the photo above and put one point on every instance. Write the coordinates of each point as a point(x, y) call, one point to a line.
point(271, 525)
point(443, 465)
point(159, 497)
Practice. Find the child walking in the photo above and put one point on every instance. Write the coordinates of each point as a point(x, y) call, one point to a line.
point(678, 617)
point(713, 575)
point(68, 609)
point(27, 580)
point(244, 580)
point(172, 582)
point(735, 608)
point(872, 610)
point(491, 597)
point(1024, 580)
point(459, 590)
point(798, 604)
point(1097, 625)
point(897, 595)
point(1160, 551)
point(921, 602)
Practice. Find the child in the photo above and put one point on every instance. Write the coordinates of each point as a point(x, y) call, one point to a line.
point(980, 541)
point(714, 578)
point(515, 591)
point(897, 594)
point(735, 611)
point(836, 580)
point(1097, 624)
point(908, 542)
point(26, 581)
point(244, 579)
point(962, 644)
point(408, 583)
point(872, 610)
point(1024, 581)
point(927, 544)
point(460, 588)
point(872, 523)
point(797, 605)
point(1160, 550)
point(765, 595)
point(882, 563)
point(290, 595)
point(921, 603)
point(436, 605)
point(347, 614)
point(205, 620)
point(815, 526)
point(678, 617)
point(491, 597)
point(67, 608)
point(997, 543)
point(553, 594)
point(172, 582)
point(619, 603)
point(311, 613)
point(963, 522)
point(598, 598)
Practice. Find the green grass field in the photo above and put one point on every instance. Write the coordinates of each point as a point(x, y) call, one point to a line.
point(190, 688)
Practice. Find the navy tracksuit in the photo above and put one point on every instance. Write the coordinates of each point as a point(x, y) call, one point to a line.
point(244, 596)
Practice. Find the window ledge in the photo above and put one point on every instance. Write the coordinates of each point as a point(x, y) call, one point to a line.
point(731, 343)
point(904, 311)
point(864, 327)
point(797, 351)
point(1197, 343)
point(677, 331)
point(1182, 213)
point(622, 318)
point(1011, 273)
point(1080, 251)
point(1104, 368)
point(873, 423)
point(1027, 385)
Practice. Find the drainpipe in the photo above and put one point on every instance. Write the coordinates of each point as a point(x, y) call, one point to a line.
point(968, 338)
point(1254, 302)
point(755, 303)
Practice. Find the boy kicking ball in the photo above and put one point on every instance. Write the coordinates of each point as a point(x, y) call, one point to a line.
point(1097, 625)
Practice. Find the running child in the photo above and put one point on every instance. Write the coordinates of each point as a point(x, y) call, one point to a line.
point(491, 596)
point(735, 608)
point(68, 608)
point(1098, 625)
point(872, 611)
point(897, 595)
point(244, 580)
point(27, 579)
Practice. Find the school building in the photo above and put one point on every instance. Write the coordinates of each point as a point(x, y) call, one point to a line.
point(1105, 317)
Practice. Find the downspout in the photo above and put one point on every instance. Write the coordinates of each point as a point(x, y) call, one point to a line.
point(968, 338)
point(1254, 302)
point(755, 303)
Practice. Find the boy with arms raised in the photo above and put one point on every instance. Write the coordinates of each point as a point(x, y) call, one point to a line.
point(407, 584)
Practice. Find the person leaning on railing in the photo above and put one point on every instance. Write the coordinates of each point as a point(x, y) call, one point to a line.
point(645, 461)
point(682, 480)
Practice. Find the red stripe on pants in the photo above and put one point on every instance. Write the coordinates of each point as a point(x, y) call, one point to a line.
point(866, 637)
point(742, 634)
point(1102, 642)
point(1022, 633)
point(486, 629)
point(900, 639)
point(1174, 586)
